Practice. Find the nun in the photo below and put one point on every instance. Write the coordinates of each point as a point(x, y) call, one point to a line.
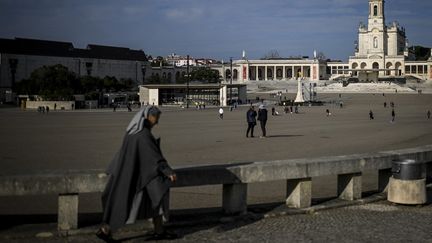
point(139, 180)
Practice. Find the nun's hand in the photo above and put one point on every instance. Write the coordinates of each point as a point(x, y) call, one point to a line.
point(173, 177)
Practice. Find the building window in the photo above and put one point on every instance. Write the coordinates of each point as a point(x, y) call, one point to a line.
point(375, 10)
point(375, 42)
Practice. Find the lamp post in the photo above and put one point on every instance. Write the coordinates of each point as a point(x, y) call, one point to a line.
point(187, 83)
point(231, 79)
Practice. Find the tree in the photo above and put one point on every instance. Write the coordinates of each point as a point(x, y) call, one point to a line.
point(158, 61)
point(52, 83)
point(205, 74)
point(421, 53)
point(58, 83)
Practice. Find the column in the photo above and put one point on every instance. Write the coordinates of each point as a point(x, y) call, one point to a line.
point(256, 73)
point(67, 212)
point(284, 72)
point(299, 193)
point(275, 73)
point(234, 198)
point(350, 186)
point(223, 96)
point(265, 73)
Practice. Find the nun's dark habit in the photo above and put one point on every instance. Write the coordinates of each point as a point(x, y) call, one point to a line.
point(138, 186)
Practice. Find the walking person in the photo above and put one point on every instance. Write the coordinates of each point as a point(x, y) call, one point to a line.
point(47, 109)
point(328, 112)
point(371, 115)
point(385, 104)
point(262, 117)
point(429, 114)
point(251, 120)
point(221, 113)
point(393, 116)
point(139, 182)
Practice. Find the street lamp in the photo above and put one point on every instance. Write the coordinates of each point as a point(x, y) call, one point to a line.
point(187, 83)
point(231, 79)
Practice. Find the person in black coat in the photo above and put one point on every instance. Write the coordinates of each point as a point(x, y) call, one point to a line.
point(262, 117)
point(251, 120)
point(139, 180)
point(371, 115)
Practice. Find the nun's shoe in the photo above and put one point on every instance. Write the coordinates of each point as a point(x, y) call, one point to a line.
point(107, 237)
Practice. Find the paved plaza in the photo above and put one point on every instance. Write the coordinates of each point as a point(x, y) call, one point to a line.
point(88, 140)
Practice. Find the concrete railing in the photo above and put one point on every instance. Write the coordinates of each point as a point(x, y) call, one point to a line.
point(234, 177)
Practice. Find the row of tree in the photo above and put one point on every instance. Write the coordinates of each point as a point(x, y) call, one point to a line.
point(58, 83)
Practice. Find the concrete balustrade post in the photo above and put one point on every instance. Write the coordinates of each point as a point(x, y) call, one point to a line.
point(67, 212)
point(234, 198)
point(350, 186)
point(299, 193)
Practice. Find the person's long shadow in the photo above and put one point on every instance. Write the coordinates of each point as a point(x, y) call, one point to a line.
point(284, 136)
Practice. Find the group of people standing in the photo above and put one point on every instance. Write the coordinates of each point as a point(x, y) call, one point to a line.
point(251, 117)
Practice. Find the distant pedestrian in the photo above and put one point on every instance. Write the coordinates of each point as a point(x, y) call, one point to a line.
point(221, 113)
point(371, 115)
point(114, 107)
point(43, 109)
point(273, 111)
point(129, 107)
point(47, 109)
point(429, 114)
point(73, 106)
point(392, 104)
point(328, 112)
point(385, 104)
point(231, 108)
point(291, 109)
point(251, 120)
point(393, 116)
point(297, 109)
point(341, 104)
point(262, 117)
point(55, 106)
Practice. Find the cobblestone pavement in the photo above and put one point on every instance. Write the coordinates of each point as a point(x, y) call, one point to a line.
point(375, 222)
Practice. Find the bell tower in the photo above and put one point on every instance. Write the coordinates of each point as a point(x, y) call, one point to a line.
point(376, 15)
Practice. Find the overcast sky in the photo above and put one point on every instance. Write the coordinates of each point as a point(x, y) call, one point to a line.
point(210, 28)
